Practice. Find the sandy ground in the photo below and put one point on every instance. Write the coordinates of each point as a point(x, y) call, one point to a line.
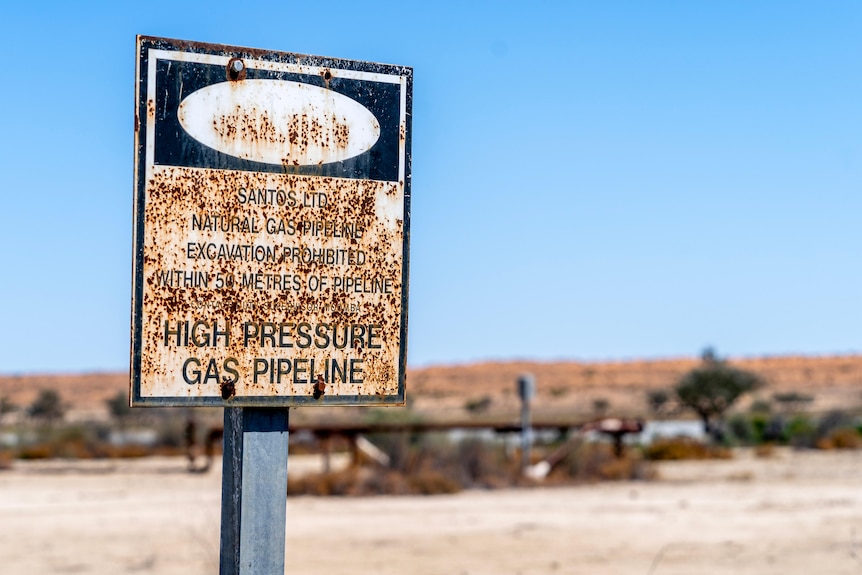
point(798, 512)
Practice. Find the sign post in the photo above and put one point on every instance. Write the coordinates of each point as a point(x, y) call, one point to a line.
point(271, 236)
point(526, 391)
point(254, 488)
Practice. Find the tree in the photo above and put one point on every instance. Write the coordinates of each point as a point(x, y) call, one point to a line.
point(712, 388)
point(47, 406)
point(118, 406)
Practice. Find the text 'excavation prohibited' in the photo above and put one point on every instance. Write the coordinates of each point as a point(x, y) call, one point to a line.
point(271, 228)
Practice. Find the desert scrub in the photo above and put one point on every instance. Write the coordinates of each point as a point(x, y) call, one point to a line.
point(592, 461)
point(843, 438)
point(681, 448)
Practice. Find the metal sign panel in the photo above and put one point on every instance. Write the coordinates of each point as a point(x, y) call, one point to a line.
point(271, 228)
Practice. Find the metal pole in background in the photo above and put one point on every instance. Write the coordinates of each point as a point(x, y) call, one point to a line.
point(254, 491)
point(526, 389)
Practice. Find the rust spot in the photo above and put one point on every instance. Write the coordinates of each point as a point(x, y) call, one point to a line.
point(228, 389)
point(259, 127)
point(233, 262)
point(319, 387)
point(236, 70)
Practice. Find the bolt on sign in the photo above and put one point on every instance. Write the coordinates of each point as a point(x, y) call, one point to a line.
point(271, 228)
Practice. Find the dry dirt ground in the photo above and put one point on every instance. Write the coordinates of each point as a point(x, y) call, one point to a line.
point(797, 512)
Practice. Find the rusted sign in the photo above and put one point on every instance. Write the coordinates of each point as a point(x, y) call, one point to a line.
point(271, 228)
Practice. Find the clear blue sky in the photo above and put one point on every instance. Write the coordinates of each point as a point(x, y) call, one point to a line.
point(591, 180)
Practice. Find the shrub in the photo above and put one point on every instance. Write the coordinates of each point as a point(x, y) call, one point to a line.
point(765, 450)
point(589, 462)
point(844, 438)
point(833, 421)
point(479, 405)
point(422, 466)
point(757, 428)
point(742, 430)
point(800, 431)
point(431, 482)
point(681, 448)
point(36, 451)
point(48, 406)
point(759, 424)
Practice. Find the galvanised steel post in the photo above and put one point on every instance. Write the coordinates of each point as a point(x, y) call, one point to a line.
point(254, 491)
point(526, 389)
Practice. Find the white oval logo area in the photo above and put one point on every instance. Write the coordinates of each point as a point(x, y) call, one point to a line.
point(279, 122)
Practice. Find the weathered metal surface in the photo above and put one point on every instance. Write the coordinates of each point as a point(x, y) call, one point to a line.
point(254, 491)
point(272, 215)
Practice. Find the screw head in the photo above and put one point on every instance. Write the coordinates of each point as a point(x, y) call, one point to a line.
point(236, 66)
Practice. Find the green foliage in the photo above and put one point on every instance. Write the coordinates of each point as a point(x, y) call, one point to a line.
point(756, 428)
point(834, 430)
point(760, 424)
point(710, 390)
point(801, 431)
point(742, 430)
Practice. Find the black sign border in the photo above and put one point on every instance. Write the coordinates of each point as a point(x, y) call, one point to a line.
point(143, 45)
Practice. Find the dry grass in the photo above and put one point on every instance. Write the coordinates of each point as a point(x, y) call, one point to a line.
point(441, 467)
point(357, 481)
point(844, 438)
point(681, 448)
point(764, 451)
point(590, 462)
